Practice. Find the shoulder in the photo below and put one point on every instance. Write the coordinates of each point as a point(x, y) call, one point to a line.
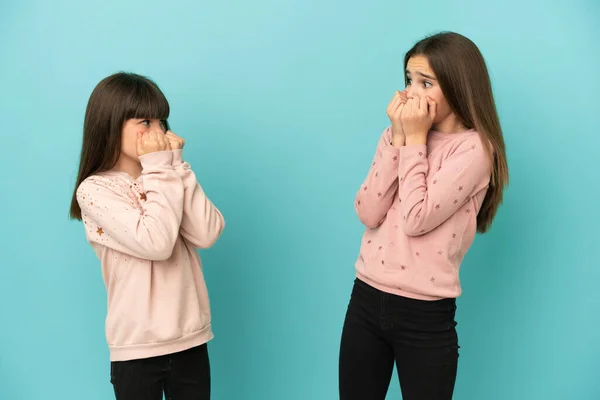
point(471, 143)
point(104, 186)
point(96, 184)
point(471, 151)
point(477, 158)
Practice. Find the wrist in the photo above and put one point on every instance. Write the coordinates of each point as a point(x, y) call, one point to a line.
point(398, 137)
point(398, 141)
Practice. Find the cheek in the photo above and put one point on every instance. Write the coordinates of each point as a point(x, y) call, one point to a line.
point(129, 144)
point(443, 109)
point(439, 98)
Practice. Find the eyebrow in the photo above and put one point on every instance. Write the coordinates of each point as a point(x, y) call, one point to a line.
point(422, 74)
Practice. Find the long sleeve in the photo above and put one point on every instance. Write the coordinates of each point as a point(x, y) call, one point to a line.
point(115, 220)
point(427, 201)
point(375, 196)
point(202, 223)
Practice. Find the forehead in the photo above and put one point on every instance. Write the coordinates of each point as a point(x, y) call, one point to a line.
point(419, 63)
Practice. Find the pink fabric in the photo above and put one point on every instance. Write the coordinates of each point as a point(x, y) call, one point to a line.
point(420, 204)
point(146, 233)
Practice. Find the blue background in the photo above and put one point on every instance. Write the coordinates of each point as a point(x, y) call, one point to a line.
point(282, 103)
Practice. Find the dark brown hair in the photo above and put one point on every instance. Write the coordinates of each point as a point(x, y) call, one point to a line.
point(113, 101)
point(463, 77)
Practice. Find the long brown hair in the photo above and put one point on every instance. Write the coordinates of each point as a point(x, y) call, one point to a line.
point(113, 101)
point(463, 77)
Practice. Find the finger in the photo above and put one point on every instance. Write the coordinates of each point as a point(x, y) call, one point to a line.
point(168, 140)
point(423, 105)
point(144, 138)
point(140, 151)
point(153, 138)
point(397, 101)
point(392, 104)
point(403, 96)
point(400, 110)
point(161, 140)
point(174, 141)
point(174, 135)
point(432, 108)
point(408, 107)
point(405, 108)
point(414, 104)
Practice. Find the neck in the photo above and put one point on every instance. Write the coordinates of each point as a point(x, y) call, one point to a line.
point(450, 124)
point(128, 165)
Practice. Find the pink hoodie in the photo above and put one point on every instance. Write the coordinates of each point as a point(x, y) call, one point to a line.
point(146, 233)
point(420, 204)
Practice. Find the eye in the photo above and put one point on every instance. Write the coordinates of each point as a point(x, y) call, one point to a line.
point(427, 84)
point(408, 81)
point(163, 125)
point(145, 122)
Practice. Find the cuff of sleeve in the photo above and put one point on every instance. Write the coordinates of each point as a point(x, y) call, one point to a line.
point(157, 160)
point(413, 152)
point(177, 158)
point(390, 154)
point(391, 150)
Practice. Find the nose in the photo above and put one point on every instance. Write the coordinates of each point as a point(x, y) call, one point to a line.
point(412, 91)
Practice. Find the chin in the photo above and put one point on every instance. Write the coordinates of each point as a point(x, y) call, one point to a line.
point(440, 119)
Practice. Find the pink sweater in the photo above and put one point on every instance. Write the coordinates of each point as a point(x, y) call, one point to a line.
point(145, 233)
point(419, 204)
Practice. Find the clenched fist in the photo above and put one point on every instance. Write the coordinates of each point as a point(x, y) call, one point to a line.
point(152, 141)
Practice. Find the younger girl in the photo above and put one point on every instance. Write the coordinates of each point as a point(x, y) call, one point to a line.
point(145, 216)
point(437, 178)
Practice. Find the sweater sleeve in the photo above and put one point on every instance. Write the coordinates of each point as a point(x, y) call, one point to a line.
point(428, 201)
point(202, 223)
point(375, 196)
point(114, 220)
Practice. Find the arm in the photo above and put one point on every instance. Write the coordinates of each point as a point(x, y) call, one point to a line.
point(427, 203)
point(113, 220)
point(375, 196)
point(202, 223)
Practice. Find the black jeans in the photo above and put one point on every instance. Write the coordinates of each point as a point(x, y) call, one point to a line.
point(420, 336)
point(180, 376)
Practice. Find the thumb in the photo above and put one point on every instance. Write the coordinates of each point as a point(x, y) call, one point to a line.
point(400, 109)
point(432, 109)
